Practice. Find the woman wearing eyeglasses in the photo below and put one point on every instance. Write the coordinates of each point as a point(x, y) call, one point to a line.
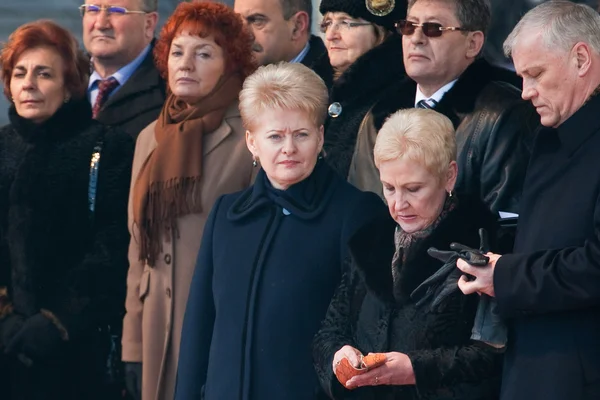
point(365, 53)
point(192, 154)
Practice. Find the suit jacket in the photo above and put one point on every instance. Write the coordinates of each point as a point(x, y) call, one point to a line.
point(315, 52)
point(135, 105)
point(494, 132)
point(549, 290)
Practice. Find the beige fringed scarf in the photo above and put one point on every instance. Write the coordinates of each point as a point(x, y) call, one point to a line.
point(168, 185)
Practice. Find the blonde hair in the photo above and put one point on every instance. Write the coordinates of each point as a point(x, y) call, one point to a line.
point(286, 86)
point(424, 136)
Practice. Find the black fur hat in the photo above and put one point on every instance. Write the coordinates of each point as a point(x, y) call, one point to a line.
point(380, 12)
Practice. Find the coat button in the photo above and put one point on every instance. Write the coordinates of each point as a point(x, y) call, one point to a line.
point(168, 291)
point(168, 259)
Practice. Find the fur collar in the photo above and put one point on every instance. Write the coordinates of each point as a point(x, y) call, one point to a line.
point(68, 120)
point(372, 248)
point(456, 103)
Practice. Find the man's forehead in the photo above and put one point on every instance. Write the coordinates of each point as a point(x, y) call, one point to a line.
point(427, 10)
point(249, 7)
point(123, 3)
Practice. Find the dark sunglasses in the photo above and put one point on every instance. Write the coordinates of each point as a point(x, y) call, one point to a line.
point(94, 9)
point(430, 29)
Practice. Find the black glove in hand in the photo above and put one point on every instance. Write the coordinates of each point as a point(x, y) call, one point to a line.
point(133, 379)
point(445, 281)
point(9, 326)
point(38, 339)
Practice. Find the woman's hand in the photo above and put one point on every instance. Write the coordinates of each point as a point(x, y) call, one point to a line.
point(354, 356)
point(397, 371)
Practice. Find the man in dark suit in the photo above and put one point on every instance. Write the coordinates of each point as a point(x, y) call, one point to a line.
point(441, 45)
point(281, 30)
point(549, 289)
point(125, 88)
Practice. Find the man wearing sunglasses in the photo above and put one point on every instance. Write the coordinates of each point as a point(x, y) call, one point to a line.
point(441, 42)
point(125, 88)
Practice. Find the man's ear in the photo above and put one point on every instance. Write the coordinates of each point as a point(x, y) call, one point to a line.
point(150, 24)
point(475, 44)
point(583, 58)
point(300, 23)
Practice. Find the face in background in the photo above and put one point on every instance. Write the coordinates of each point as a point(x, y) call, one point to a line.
point(271, 32)
point(37, 84)
point(195, 66)
point(414, 195)
point(549, 78)
point(433, 62)
point(345, 44)
point(287, 143)
point(116, 40)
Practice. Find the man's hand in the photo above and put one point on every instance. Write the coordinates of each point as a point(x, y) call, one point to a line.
point(484, 276)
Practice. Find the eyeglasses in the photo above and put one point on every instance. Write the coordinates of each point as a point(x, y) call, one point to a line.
point(430, 29)
point(94, 9)
point(343, 24)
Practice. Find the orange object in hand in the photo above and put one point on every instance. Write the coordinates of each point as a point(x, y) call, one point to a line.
point(344, 371)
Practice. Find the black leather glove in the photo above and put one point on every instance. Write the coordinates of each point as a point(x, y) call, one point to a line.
point(133, 379)
point(9, 326)
point(38, 339)
point(445, 281)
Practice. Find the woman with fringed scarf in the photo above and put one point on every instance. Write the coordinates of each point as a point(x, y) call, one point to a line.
point(183, 162)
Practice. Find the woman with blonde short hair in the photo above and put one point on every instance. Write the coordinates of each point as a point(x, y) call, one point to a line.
point(272, 255)
point(424, 334)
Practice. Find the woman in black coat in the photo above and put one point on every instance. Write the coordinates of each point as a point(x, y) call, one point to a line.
point(424, 334)
point(363, 61)
point(271, 256)
point(64, 182)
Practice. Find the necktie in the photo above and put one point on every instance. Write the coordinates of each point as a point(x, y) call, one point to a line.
point(105, 88)
point(427, 103)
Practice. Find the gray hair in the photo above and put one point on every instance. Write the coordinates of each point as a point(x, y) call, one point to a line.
point(473, 15)
point(149, 5)
point(562, 24)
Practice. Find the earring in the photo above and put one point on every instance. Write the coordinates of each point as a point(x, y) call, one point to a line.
point(66, 100)
point(450, 193)
point(255, 161)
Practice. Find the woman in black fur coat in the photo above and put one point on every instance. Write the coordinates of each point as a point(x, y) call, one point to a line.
point(363, 61)
point(63, 228)
point(427, 345)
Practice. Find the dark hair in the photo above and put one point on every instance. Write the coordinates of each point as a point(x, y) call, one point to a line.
point(291, 7)
point(45, 33)
point(149, 5)
point(473, 15)
point(203, 19)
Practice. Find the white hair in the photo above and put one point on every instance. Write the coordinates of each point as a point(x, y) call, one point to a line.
point(562, 24)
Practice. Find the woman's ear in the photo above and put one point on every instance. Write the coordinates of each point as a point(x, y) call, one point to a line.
point(251, 142)
point(321, 134)
point(451, 176)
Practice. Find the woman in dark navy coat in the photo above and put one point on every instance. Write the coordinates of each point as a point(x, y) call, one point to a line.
point(272, 255)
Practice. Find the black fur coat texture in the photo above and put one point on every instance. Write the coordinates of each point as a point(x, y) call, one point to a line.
point(55, 254)
point(357, 90)
point(374, 314)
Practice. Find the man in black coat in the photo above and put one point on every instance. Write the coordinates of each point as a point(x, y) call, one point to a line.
point(281, 31)
point(121, 49)
point(549, 289)
point(494, 126)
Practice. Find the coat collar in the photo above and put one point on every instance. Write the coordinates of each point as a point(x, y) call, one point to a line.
point(69, 119)
point(372, 248)
point(456, 103)
point(316, 52)
point(580, 126)
point(306, 200)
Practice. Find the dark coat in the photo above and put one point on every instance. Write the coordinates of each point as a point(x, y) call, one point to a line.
point(549, 290)
point(138, 103)
point(316, 54)
point(494, 132)
point(357, 89)
point(374, 314)
point(54, 253)
point(267, 268)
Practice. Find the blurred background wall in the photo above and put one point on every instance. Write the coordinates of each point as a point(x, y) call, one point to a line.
point(13, 13)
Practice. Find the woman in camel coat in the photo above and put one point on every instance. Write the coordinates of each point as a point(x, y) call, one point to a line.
point(183, 162)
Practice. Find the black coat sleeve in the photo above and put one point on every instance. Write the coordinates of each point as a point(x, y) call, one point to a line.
point(93, 291)
point(551, 280)
point(337, 330)
point(198, 322)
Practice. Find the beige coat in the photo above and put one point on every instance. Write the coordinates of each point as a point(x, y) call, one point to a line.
point(157, 296)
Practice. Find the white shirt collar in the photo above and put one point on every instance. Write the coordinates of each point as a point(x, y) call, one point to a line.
point(437, 96)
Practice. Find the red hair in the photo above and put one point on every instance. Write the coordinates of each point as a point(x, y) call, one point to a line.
point(203, 18)
point(45, 33)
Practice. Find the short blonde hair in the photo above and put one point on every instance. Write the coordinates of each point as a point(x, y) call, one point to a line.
point(424, 136)
point(286, 86)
